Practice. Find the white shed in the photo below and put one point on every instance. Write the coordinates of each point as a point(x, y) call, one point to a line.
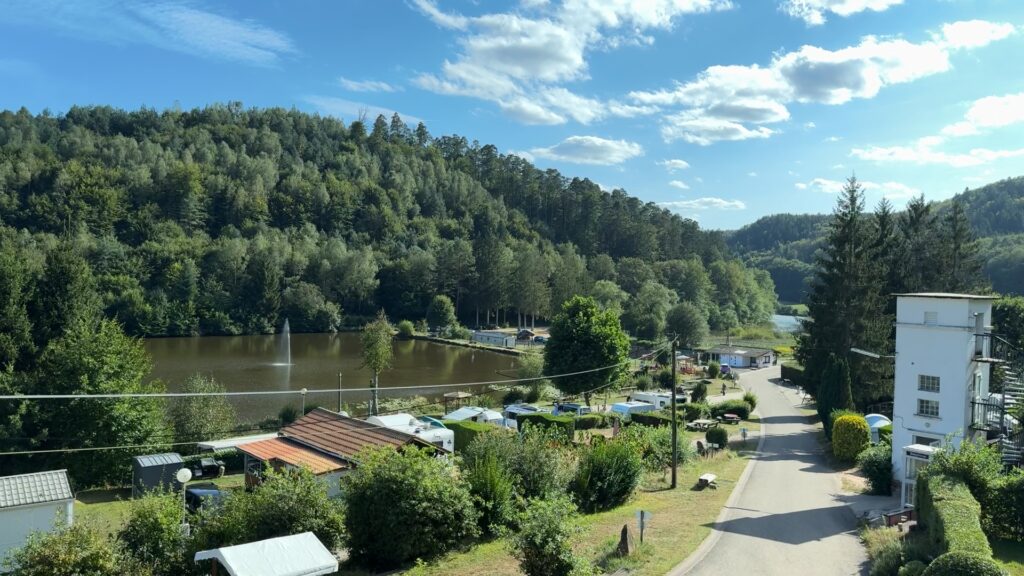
point(296, 555)
point(476, 414)
point(33, 503)
point(495, 338)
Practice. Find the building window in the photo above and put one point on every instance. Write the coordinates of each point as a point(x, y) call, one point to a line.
point(928, 408)
point(927, 383)
point(931, 318)
point(925, 440)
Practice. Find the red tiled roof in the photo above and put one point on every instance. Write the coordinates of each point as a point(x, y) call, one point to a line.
point(343, 436)
point(291, 453)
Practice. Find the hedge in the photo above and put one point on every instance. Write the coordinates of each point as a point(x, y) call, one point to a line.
point(912, 568)
point(950, 514)
point(695, 410)
point(885, 434)
point(234, 460)
point(962, 563)
point(850, 436)
point(565, 423)
point(650, 419)
point(465, 431)
point(795, 374)
point(719, 436)
point(589, 421)
point(737, 407)
point(1004, 517)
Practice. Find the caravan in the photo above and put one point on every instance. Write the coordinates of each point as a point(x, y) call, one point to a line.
point(658, 399)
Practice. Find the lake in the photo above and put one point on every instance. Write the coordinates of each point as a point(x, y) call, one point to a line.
point(244, 363)
point(785, 323)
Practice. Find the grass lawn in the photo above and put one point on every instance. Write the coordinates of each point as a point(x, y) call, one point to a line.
point(107, 509)
point(1009, 555)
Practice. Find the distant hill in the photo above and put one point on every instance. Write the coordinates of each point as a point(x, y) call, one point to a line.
point(785, 244)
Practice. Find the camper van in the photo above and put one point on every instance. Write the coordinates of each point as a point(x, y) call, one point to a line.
point(427, 429)
point(514, 410)
point(627, 409)
point(658, 399)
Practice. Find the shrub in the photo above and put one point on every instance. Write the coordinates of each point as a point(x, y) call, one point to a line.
point(493, 490)
point(834, 415)
point(288, 414)
point(1004, 517)
point(654, 445)
point(795, 374)
point(961, 564)
point(607, 475)
point(152, 533)
point(737, 407)
point(664, 379)
point(951, 515)
point(750, 398)
point(714, 369)
point(590, 421)
point(513, 396)
point(429, 507)
point(565, 424)
point(75, 550)
point(405, 329)
point(699, 392)
point(201, 417)
point(912, 568)
point(696, 410)
point(885, 434)
point(650, 419)
point(466, 431)
point(643, 382)
point(544, 543)
point(538, 459)
point(876, 464)
point(717, 436)
point(459, 332)
point(850, 436)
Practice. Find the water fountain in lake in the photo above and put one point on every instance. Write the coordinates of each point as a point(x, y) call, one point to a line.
point(284, 347)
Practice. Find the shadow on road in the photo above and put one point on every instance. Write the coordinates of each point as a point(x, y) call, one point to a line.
point(792, 527)
point(789, 419)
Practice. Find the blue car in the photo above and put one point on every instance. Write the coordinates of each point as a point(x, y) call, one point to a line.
point(201, 496)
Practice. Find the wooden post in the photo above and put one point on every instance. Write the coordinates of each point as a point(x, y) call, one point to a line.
point(675, 423)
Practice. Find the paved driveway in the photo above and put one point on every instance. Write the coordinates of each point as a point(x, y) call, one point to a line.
point(787, 519)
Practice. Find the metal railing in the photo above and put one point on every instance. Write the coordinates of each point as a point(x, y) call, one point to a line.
point(987, 415)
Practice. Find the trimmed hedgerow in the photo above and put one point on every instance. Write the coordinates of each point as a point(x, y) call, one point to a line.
point(719, 436)
point(695, 410)
point(465, 431)
point(876, 464)
point(962, 563)
point(950, 514)
point(567, 424)
point(737, 407)
point(589, 421)
point(850, 436)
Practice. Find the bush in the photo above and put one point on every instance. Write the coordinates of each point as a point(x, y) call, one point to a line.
point(201, 417)
point(876, 464)
point(565, 424)
point(429, 507)
point(885, 434)
point(717, 436)
point(699, 393)
point(538, 459)
point(654, 445)
point(406, 329)
point(650, 419)
point(695, 411)
point(513, 396)
point(714, 369)
point(643, 382)
point(544, 543)
point(493, 490)
point(750, 398)
point(466, 431)
point(1004, 517)
point(607, 475)
point(288, 414)
point(590, 421)
point(795, 374)
point(76, 550)
point(912, 568)
point(152, 534)
point(737, 407)
point(459, 332)
point(961, 564)
point(664, 379)
point(951, 515)
point(850, 436)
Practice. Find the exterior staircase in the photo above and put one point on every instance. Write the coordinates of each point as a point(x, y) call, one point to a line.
point(1003, 420)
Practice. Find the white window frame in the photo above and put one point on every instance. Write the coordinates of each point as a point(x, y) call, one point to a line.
point(924, 382)
point(921, 402)
point(929, 439)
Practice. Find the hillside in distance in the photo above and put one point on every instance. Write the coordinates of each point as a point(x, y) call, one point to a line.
point(785, 244)
point(226, 220)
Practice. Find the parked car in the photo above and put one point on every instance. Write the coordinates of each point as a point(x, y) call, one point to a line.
point(540, 339)
point(207, 468)
point(199, 496)
point(571, 408)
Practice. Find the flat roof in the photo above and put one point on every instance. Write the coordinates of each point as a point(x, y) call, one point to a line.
point(292, 453)
point(234, 442)
point(739, 351)
point(296, 555)
point(36, 488)
point(948, 295)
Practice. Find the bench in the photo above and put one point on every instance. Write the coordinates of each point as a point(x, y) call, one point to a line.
point(707, 480)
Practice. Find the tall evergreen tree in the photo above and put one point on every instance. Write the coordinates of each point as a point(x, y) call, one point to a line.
point(962, 264)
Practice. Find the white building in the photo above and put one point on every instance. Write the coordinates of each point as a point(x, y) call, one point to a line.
point(433, 432)
point(942, 365)
point(742, 357)
point(33, 503)
point(495, 338)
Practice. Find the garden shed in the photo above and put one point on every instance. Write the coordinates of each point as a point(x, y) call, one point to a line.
point(155, 471)
point(33, 503)
point(296, 555)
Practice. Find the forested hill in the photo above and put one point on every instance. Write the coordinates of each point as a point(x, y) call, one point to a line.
point(226, 220)
point(784, 244)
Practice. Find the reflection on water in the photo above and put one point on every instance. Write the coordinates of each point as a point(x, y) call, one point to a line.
point(245, 363)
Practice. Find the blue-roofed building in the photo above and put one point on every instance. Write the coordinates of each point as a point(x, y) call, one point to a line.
point(33, 503)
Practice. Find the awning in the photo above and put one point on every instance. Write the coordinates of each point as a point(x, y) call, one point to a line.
point(226, 443)
point(284, 450)
point(297, 555)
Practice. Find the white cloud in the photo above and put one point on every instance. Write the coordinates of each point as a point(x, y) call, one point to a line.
point(924, 152)
point(674, 164)
point(173, 25)
point(709, 203)
point(752, 174)
point(366, 85)
point(679, 184)
point(892, 190)
point(810, 125)
point(350, 111)
point(590, 150)
point(975, 33)
point(833, 139)
point(989, 112)
point(813, 12)
point(521, 60)
point(737, 102)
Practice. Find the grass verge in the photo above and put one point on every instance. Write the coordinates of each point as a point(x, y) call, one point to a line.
point(1010, 556)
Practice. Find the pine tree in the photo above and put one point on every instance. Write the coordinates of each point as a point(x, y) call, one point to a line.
point(960, 252)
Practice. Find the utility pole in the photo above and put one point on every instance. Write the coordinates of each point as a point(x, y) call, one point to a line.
point(675, 423)
point(339, 392)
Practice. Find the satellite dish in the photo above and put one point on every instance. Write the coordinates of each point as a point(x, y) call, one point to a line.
point(183, 475)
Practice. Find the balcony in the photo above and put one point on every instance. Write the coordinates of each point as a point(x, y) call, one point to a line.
point(986, 415)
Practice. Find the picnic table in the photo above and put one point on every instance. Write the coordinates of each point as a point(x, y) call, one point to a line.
point(730, 419)
point(707, 481)
point(702, 424)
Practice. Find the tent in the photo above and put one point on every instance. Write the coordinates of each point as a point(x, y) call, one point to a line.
point(296, 555)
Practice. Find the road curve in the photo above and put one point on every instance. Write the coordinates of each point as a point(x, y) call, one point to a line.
point(786, 518)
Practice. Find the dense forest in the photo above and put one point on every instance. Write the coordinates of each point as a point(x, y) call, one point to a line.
point(786, 244)
point(227, 220)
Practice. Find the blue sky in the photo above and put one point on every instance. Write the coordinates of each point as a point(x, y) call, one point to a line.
point(721, 110)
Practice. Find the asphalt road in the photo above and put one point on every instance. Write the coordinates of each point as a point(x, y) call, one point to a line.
point(786, 519)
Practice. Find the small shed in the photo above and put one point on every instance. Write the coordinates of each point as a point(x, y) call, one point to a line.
point(297, 555)
point(155, 472)
point(33, 503)
point(476, 414)
point(495, 338)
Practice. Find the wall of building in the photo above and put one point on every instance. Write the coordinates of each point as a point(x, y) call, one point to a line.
point(17, 523)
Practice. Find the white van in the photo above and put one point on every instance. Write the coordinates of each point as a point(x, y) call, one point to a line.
point(627, 409)
point(659, 399)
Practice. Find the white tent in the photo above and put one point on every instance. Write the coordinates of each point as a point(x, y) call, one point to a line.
point(296, 555)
